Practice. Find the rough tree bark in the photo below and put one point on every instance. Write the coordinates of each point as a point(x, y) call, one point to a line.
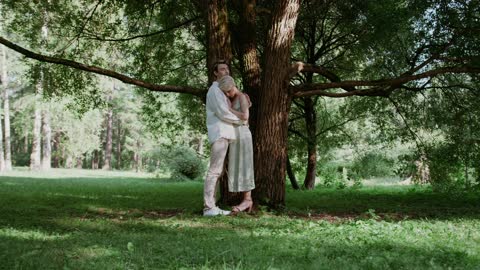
point(274, 104)
point(218, 35)
point(245, 45)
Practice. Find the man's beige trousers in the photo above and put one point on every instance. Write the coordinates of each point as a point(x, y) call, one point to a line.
point(217, 158)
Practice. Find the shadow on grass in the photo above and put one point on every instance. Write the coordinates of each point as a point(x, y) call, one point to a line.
point(218, 244)
point(394, 202)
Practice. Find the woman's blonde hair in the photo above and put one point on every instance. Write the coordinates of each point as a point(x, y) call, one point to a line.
point(226, 83)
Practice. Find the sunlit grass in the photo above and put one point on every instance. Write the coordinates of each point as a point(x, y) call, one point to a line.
point(110, 222)
point(75, 173)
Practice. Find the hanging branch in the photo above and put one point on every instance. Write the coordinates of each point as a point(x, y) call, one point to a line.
point(106, 72)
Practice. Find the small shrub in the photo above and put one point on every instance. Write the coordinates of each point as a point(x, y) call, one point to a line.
point(332, 176)
point(446, 169)
point(21, 159)
point(372, 165)
point(185, 163)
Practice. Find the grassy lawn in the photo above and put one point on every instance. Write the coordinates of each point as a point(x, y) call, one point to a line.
point(113, 220)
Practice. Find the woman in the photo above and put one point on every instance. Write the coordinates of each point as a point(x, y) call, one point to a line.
point(240, 156)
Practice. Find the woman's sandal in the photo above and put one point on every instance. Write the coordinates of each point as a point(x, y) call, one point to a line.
point(246, 205)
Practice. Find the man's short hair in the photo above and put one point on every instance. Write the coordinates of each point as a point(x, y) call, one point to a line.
point(219, 62)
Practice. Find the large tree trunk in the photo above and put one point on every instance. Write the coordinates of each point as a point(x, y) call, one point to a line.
point(6, 112)
point(218, 35)
point(245, 45)
point(274, 105)
point(47, 141)
point(311, 126)
point(219, 48)
point(107, 162)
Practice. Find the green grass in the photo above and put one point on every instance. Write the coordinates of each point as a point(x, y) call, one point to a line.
point(111, 220)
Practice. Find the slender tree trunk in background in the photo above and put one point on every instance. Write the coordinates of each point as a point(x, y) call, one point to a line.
point(200, 145)
point(35, 162)
point(140, 158)
point(79, 162)
point(47, 140)
point(107, 162)
point(137, 161)
point(35, 157)
point(119, 144)
point(64, 157)
point(6, 112)
point(291, 175)
point(95, 160)
point(311, 113)
point(311, 127)
point(56, 150)
point(274, 104)
point(2, 156)
point(69, 162)
point(100, 158)
point(140, 163)
point(25, 142)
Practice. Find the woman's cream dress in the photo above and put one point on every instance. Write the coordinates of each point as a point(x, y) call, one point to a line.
point(240, 158)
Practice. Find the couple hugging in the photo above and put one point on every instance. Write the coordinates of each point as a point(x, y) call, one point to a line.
point(227, 124)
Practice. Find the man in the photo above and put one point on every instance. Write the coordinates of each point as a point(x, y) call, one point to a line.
point(221, 132)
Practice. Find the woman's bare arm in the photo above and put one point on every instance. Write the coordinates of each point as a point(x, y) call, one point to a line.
point(244, 105)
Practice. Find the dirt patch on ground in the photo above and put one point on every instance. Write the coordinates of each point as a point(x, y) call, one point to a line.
point(131, 214)
point(345, 217)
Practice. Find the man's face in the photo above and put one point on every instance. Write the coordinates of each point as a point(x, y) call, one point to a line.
point(222, 70)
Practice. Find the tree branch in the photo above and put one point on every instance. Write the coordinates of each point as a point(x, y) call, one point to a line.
point(82, 28)
point(298, 134)
point(379, 86)
point(304, 67)
point(106, 72)
point(338, 125)
point(95, 37)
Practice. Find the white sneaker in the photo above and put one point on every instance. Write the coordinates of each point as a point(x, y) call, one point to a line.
point(215, 212)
